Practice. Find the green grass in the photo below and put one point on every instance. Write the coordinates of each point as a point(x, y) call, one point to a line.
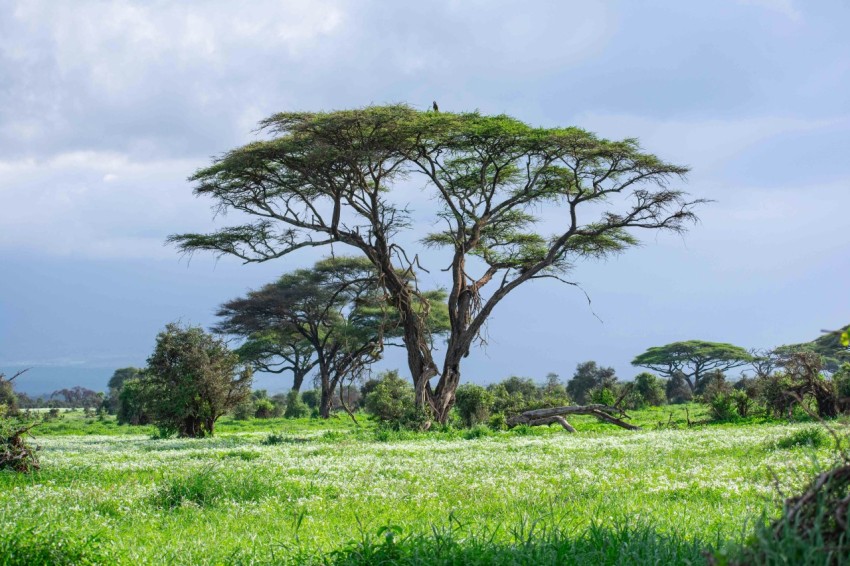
point(333, 493)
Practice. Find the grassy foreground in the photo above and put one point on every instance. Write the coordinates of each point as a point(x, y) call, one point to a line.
point(345, 496)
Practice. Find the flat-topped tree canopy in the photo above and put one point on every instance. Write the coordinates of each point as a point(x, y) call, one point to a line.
point(332, 177)
point(693, 359)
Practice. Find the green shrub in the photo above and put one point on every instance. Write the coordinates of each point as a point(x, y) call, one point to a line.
point(473, 403)
point(603, 396)
point(312, 398)
point(648, 390)
point(773, 392)
point(498, 422)
point(264, 409)
point(274, 439)
point(477, 431)
point(392, 401)
point(811, 436)
point(295, 407)
point(722, 406)
point(244, 411)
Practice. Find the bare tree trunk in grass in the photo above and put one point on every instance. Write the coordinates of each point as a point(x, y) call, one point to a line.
point(555, 415)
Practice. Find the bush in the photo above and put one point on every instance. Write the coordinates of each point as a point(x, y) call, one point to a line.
point(392, 402)
point(16, 453)
point(648, 390)
point(295, 407)
point(603, 396)
point(265, 409)
point(473, 403)
point(478, 431)
point(773, 392)
point(811, 436)
point(498, 422)
point(677, 390)
point(191, 380)
point(722, 406)
point(244, 411)
point(312, 398)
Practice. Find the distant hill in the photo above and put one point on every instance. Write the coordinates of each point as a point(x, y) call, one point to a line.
point(827, 345)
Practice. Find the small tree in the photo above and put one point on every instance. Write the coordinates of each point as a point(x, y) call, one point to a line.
point(8, 399)
point(649, 390)
point(693, 360)
point(391, 401)
point(588, 377)
point(296, 408)
point(677, 390)
point(131, 402)
point(192, 379)
point(473, 403)
point(116, 383)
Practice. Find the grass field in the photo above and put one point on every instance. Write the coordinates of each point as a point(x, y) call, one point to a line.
point(333, 493)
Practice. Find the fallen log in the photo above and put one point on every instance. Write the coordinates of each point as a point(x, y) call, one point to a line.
point(555, 415)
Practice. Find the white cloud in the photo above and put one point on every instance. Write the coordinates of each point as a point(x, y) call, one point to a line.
point(96, 204)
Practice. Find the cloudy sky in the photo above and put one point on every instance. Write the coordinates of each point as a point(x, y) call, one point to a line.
point(107, 107)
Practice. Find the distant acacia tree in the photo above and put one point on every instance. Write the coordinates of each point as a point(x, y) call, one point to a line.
point(79, 397)
point(191, 380)
point(332, 178)
point(332, 317)
point(693, 360)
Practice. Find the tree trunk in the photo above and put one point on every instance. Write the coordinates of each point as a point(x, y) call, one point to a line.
point(548, 416)
point(326, 401)
point(298, 380)
point(443, 397)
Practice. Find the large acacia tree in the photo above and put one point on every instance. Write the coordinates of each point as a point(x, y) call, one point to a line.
point(333, 317)
point(334, 178)
point(693, 360)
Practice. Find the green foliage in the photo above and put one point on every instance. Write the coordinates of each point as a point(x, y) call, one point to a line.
point(647, 390)
point(677, 391)
point(392, 402)
point(8, 399)
point(131, 402)
point(296, 408)
point(334, 177)
point(773, 392)
point(112, 401)
point(498, 422)
point(603, 396)
point(810, 436)
point(517, 394)
point(244, 410)
point(473, 403)
point(311, 398)
point(265, 409)
point(587, 378)
point(191, 380)
point(832, 348)
point(841, 378)
point(693, 360)
point(53, 546)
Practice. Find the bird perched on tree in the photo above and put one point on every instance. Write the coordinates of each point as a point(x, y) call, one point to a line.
point(436, 108)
